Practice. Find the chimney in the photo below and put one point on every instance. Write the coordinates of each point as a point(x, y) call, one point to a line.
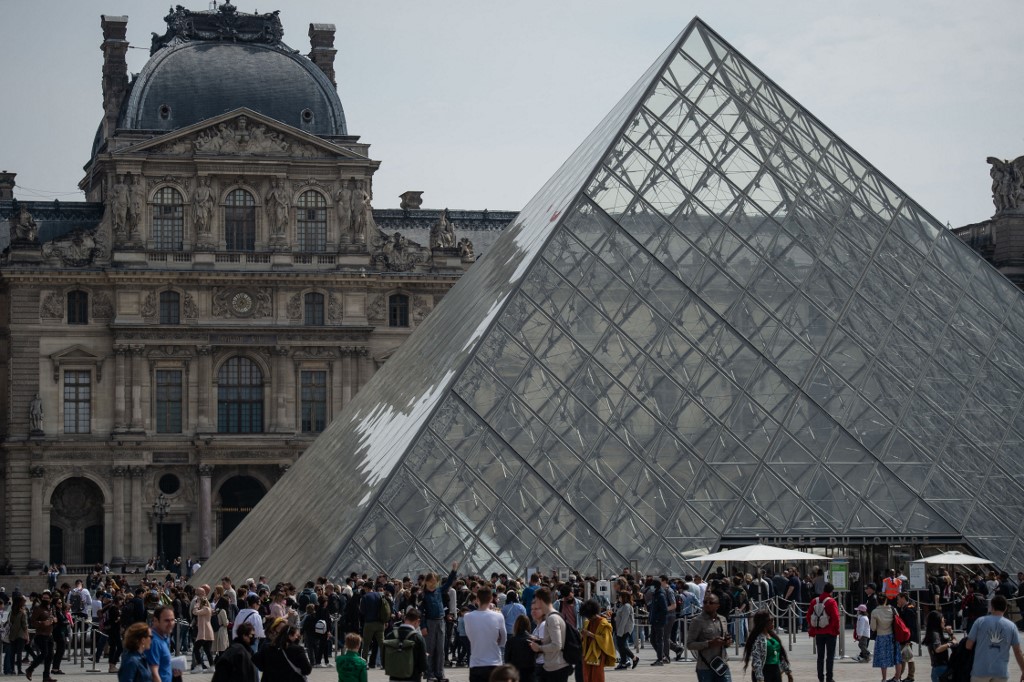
point(115, 69)
point(321, 44)
point(6, 186)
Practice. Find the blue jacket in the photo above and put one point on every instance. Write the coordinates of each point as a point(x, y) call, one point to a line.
point(658, 607)
point(369, 607)
point(433, 601)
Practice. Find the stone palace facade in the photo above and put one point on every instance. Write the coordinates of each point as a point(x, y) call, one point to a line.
point(224, 291)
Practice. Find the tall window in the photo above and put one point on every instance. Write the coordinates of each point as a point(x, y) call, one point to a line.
point(168, 220)
point(78, 307)
point(240, 221)
point(312, 222)
point(240, 397)
point(314, 309)
point(170, 307)
point(314, 401)
point(77, 401)
point(398, 311)
point(168, 401)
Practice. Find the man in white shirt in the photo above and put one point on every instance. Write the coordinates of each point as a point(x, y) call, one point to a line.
point(485, 629)
point(252, 616)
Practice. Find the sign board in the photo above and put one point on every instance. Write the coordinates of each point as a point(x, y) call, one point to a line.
point(840, 575)
point(603, 593)
point(918, 578)
point(530, 572)
point(563, 574)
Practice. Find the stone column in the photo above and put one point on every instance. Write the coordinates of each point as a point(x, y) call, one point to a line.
point(119, 380)
point(364, 364)
point(336, 388)
point(39, 545)
point(138, 520)
point(347, 382)
point(205, 511)
point(117, 533)
point(282, 389)
point(204, 388)
point(137, 382)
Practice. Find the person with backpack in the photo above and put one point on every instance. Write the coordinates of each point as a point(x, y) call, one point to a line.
point(708, 636)
point(219, 623)
point(376, 612)
point(552, 645)
point(823, 626)
point(404, 651)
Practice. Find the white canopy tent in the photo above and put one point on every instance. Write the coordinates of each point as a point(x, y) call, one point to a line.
point(952, 557)
point(760, 553)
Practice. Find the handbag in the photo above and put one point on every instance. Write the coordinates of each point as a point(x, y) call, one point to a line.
point(292, 665)
point(900, 630)
point(718, 666)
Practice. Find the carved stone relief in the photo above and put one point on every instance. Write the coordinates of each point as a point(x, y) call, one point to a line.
point(52, 306)
point(395, 253)
point(294, 308)
point(232, 302)
point(421, 306)
point(377, 308)
point(102, 307)
point(77, 249)
point(191, 310)
point(149, 308)
point(335, 312)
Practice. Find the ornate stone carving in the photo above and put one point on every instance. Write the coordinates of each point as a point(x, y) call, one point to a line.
point(442, 233)
point(395, 253)
point(420, 307)
point(119, 471)
point(1007, 183)
point(136, 207)
point(231, 302)
point(224, 24)
point(344, 209)
point(278, 209)
point(363, 224)
point(294, 308)
point(411, 200)
point(335, 311)
point(149, 308)
point(189, 307)
point(102, 307)
point(203, 202)
point(77, 249)
point(466, 250)
point(377, 308)
point(52, 307)
point(206, 470)
point(136, 472)
point(23, 228)
point(35, 414)
point(36, 471)
point(238, 137)
point(118, 201)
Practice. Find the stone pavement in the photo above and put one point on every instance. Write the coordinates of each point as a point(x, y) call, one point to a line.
point(801, 656)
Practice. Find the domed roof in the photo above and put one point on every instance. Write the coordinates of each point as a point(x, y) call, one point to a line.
point(216, 61)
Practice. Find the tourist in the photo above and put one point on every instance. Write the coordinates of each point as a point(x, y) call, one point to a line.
point(485, 629)
point(159, 653)
point(350, 665)
point(204, 634)
point(42, 621)
point(284, 659)
point(764, 652)
point(518, 652)
point(823, 621)
point(862, 634)
point(18, 636)
point(251, 616)
point(512, 611)
point(998, 636)
point(505, 673)
point(908, 613)
point(134, 666)
point(552, 638)
point(939, 639)
point(416, 660)
point(219, 623)
point(60, 631)
point(433, 611)
point(624, 624)
point(235, 663)
point(887, 650)
point(657, 614)
point(598, 647)
point(708, 636)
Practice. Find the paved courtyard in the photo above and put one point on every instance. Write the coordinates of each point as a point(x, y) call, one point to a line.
point(802, 657)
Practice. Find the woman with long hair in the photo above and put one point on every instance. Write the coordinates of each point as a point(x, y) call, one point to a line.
point(763, 651)
point(625, 621)
point(19, 636)
point(134, 666)
point(598, 644)
point(887, 652)
point(939, 639)
point(518, 652)
point(204, 635)
point(221, 619)
point(285, 659)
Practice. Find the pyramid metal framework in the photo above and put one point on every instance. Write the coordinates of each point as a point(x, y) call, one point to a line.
point(715, 321)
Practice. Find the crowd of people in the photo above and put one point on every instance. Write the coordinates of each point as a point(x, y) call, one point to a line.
point(541, 629)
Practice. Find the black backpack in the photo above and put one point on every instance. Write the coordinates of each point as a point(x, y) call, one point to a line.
point(572, 647)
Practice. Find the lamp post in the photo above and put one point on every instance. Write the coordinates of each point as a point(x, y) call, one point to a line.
point(160, 508)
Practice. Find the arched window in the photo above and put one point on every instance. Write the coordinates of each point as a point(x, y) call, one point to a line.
point(240, 221)
point(314, 309)
point(398, 311)
point(240, 397)
point(312, 222)
point(170, 307)
point(78, 307)
point(168, 220)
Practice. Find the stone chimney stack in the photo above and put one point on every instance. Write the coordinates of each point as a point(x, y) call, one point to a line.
point(6, 185)
point(115, 69)
point(321, 48)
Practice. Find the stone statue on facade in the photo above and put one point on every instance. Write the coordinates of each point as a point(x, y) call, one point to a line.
point(362, 210)
point(466, 250)
point(35, 414)
point(24, 228)
point(442, 233)
point(277, 207)
point(77, 249)
point(118, 204)
point(345, 210)
point(1007, 183)
point(203, 203)
point(136, 207)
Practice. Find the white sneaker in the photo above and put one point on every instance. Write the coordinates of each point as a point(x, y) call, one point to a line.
point(195, 670)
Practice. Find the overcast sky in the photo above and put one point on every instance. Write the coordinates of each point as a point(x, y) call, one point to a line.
point(477, 102)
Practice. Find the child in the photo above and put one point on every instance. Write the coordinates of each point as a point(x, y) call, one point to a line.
point(862, 633)
point(351, 666)
point(462, 655)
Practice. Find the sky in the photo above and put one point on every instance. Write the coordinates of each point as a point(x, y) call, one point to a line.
point(476, 103)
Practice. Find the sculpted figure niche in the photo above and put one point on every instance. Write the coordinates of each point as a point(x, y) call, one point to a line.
point(203, 205)
point(118, 203)
point(136, 206)
point(343, 200)
point(278, 205)
point(362, 210)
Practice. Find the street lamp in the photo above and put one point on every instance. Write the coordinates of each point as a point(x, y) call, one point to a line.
point(160, 508)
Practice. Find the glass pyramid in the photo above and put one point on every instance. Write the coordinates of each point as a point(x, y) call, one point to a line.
point(715, 321)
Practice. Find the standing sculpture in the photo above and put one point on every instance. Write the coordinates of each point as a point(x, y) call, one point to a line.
point(362, 209)
point(442, 233)
point(23, 227)
point(35, 414)
point(202, 202)
point(343, 199)
point(277, 212)
point(136, 205)
point(1007, 183)
point(118, 207)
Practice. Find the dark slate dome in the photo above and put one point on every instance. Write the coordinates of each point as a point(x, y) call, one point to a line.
point(212, 62)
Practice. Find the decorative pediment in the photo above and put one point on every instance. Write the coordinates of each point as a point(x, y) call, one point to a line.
point(76, 356)
point(242, 132)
